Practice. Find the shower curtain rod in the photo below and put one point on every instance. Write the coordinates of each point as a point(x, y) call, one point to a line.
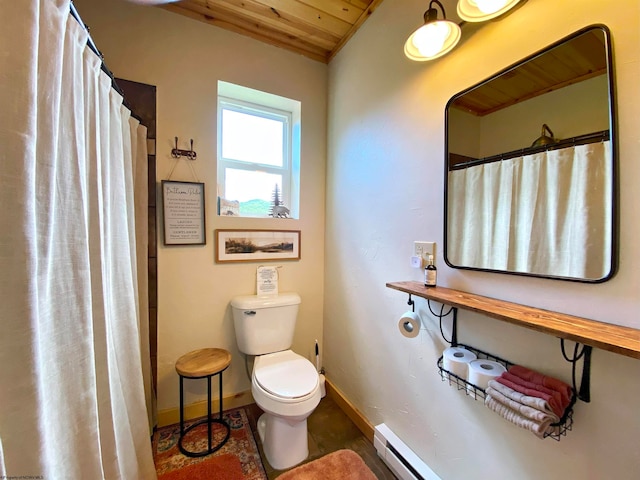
point(585, 139)
point(103, 66)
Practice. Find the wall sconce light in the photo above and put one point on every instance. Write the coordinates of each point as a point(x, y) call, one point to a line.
point(433, 39)
point(483, 10)
point(438, 37)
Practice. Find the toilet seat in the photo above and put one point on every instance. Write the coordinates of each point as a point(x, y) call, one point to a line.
point(286, 376)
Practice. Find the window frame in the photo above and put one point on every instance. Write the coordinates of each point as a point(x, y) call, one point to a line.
point(263, 111)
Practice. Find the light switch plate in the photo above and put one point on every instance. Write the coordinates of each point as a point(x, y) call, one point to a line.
point(424, 249)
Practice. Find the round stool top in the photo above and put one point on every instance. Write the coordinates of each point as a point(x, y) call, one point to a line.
point(203, 362)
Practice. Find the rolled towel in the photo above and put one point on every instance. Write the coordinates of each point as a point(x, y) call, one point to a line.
point(531, 401)
point(554, 402)
point(538, 428)
point(535, 377)
point(563, 404)
point(541, 412)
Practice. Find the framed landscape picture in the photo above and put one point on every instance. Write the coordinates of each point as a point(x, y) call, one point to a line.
point(256, 245)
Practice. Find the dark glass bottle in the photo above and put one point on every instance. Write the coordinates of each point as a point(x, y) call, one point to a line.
point(430, 273)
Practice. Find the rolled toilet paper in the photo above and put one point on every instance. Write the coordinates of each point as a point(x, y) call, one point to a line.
point(456, 359)
point(409, 324)
point(323, 388)
point(481, 371)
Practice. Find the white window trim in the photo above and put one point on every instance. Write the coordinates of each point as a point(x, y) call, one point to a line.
point(273, 104)
point(264, 112)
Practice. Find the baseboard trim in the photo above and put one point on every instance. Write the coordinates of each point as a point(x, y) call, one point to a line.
point(352, 412)
point(171, 416)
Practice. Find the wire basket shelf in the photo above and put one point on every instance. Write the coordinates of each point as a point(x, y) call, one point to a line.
point(555, 431)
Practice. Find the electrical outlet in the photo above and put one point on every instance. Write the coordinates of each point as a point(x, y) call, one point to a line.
point(424, 249)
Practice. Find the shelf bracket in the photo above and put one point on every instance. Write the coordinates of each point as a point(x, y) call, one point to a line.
point(440, 316)
point(585, 383)
point(584, 393)
point(454, 328)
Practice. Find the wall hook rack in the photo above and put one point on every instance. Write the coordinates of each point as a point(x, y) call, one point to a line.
point(177, 153)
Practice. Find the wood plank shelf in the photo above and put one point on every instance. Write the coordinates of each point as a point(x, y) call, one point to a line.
point(613, 338)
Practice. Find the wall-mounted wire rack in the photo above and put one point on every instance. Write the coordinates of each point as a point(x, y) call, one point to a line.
point(555, 431)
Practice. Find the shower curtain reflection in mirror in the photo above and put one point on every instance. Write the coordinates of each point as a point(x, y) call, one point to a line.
point(547, 213)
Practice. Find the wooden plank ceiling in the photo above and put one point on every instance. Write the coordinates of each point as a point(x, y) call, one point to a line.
point(569, 63)
point(317, 29)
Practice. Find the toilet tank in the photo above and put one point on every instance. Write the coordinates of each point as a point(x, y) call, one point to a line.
point(265, 324)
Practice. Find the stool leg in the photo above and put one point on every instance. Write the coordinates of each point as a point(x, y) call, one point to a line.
point(181, 408)
point(220, 390)
point(209, 410)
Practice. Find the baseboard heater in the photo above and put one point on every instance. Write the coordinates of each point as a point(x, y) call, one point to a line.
point(400, 459)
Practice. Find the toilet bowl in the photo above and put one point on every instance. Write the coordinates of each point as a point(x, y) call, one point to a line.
point(286, 387)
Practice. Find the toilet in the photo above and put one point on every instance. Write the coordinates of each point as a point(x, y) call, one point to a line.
point(284, 385)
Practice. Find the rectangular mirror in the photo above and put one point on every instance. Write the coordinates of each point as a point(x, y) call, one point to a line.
point(530, 177)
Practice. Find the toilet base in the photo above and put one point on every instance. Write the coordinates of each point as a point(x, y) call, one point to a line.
point(285, 443)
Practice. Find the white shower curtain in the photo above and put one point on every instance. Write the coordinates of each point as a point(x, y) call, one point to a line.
point(72, 399)
point(548, 213)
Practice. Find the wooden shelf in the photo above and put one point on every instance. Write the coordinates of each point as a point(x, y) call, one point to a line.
point(622, 340)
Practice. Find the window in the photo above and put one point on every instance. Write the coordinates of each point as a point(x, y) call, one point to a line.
point(258, 153)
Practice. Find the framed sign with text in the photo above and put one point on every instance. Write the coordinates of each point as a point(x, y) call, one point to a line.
point(183, 213)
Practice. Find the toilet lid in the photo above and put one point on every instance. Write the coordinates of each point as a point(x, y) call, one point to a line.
point(285, 374)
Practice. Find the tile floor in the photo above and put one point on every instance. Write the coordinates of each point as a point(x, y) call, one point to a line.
point(329, 430)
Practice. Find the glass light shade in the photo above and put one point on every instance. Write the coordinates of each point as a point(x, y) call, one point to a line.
point(483, 10)
point(432, 40)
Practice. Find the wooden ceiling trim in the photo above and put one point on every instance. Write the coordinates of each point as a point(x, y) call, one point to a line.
point(255, 31)
point(337, 8)
point(361, 4)
point(317, 29)
point(262, 15)
point(307, 15)
point(354, 28)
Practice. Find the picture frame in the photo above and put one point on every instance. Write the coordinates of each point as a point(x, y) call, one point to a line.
point(247, 245)
point(183, 213)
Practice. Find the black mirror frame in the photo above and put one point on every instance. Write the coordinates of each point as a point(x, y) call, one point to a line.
point(614, 159)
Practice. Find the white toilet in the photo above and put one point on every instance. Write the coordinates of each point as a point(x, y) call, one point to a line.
point(284, 384)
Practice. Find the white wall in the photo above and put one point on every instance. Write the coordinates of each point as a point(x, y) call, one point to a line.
point(185, 59)
point(385, 190)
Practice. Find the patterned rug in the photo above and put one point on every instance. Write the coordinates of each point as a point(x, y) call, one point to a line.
point(238, 459)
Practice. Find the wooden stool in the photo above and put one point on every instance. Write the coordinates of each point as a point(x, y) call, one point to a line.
point(203, 363)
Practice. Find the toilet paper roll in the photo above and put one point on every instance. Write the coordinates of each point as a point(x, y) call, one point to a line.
point(481, 371)
point(456, 359)
point(323, 388)
point(409, 324)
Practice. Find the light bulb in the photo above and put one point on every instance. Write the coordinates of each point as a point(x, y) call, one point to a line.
point(430, 38)
point(483, 10)
point(488, 6)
